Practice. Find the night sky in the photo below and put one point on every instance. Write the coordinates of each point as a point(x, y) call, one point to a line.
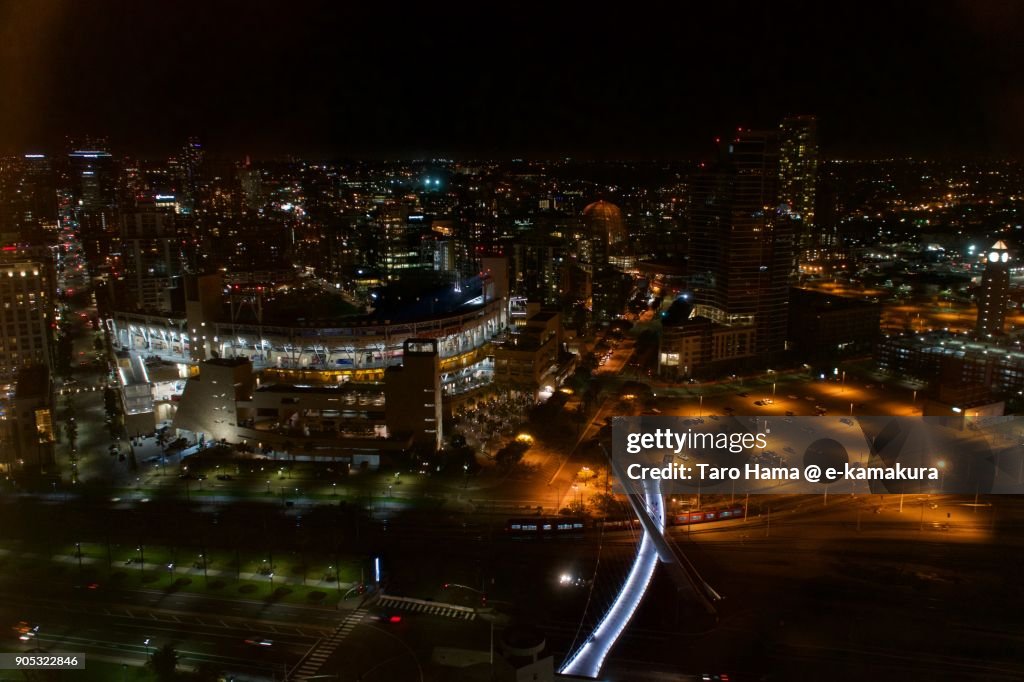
point(437, 79)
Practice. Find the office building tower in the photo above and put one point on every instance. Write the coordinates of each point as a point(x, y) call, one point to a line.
point(151, 256)
point(537, 262)
point(192, 157)
point(28, 198)
point(412, 402)
point(93, 180)
point(30, 432)
point(741, 244)
point(798, 175)
point(26, 315)
point(994, 294)
point(92, 175)
point(401, 234)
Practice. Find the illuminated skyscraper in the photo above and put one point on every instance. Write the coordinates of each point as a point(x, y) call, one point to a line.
point(995, 291)
point(93, 185)
point(93, 178)
point(26, 314)
point(28, 198)
point(741, 244)
point(605, 231)
point(798, 173)
point(151, 253)
point(191, 164)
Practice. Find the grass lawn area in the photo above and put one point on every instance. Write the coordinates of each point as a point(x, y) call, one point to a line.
point(286, 587)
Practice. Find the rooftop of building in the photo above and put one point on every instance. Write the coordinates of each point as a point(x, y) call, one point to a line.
point(822, 301)
point(947, 342)
point(603, 209)
point(678, 313)
point(543, 316)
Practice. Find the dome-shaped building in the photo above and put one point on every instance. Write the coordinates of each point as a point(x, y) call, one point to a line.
point(604, 220)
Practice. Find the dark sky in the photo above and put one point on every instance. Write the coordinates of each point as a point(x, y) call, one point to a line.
point(436, 78)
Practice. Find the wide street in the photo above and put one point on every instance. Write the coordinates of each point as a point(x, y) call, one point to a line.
point(860, 554)
point(201, 630)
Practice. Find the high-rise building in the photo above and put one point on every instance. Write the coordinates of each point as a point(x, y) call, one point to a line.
point(994, 294)
point(604, 231)
point(537, 261)
point(412, 403)
point(94, 188)
point(741, 243)
point(30, 426)
point(151, 253)
point(798, 174)
point(401, 235)
point(28, 198)
point(93, 178)
point(192, 157)
point(250, 180)
point(26, 315)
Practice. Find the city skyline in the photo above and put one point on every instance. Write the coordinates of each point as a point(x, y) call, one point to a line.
point(451, 343)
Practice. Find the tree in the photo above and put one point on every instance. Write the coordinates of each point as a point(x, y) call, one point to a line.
point(71, 431)
point(575, 507)
point(606, 504)
point(164, 663)
point(64, 355)
point(510, 455)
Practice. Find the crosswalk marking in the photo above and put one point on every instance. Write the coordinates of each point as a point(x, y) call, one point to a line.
point(435, 609)
point(323, 649)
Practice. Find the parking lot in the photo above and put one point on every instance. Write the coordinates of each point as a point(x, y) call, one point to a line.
point(790, 397)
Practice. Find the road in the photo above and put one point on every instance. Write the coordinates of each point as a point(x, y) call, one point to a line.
point(202, 630)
